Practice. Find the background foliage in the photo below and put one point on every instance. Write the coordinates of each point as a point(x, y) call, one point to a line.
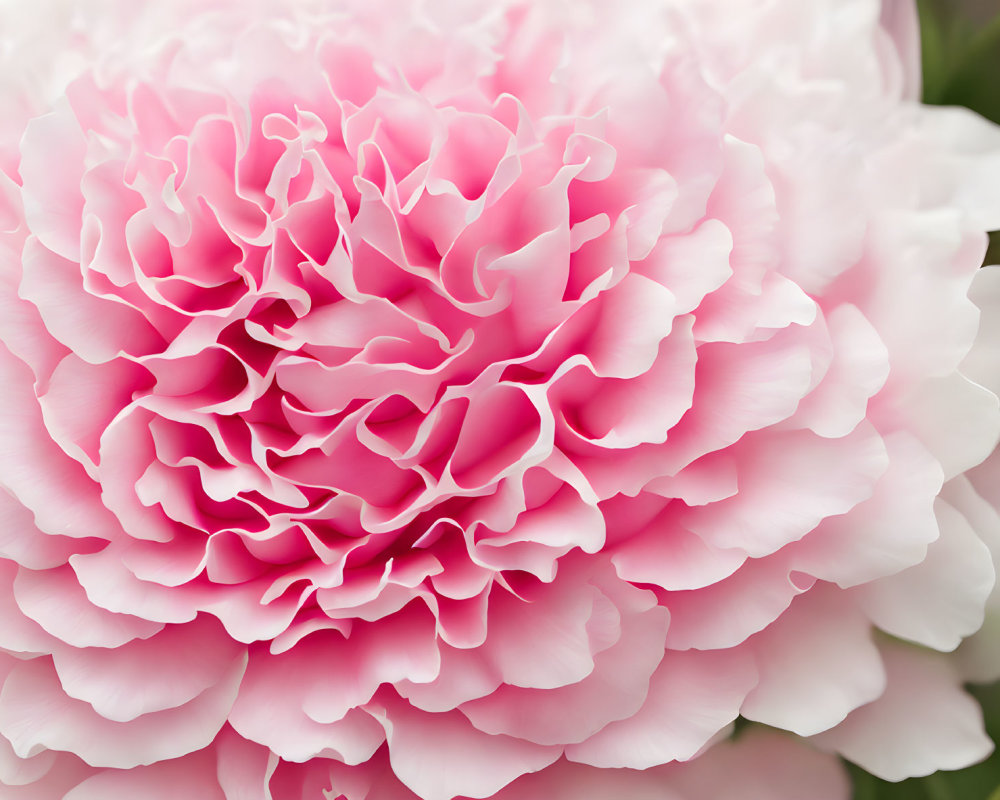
point(960, 41)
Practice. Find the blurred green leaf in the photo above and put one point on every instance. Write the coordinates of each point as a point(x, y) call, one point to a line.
point(934, 49)
point(993, 252)
point(961, 59)
point(961, 64)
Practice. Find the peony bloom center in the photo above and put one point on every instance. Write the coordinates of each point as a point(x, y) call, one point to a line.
point(430, 406)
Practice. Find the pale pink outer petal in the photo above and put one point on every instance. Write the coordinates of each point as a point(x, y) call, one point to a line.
point(325, 681)
point(34, 469)
point(941, 599)
point(957, 419)
point(817, 663)
point(22, 543)
point(922, 723)
point(726, 613)
point(311, 779)
point(885, 534)
point(758, 765)
point(976, 495)
point(692, 696)
point(231, 769)
point(978, 657)
point(909, 257)
point(17, 771)
point(980, 364)
point(900, 21)
point(373, 780)
point(765, 765)
point(565, 780)
point(287, 730)
point(244, 767)
point(634, 626)
point(859, 369)
point(64, 771)
point(80, 400)
point(440, 756)
point(54, 600)
point(18, 633)
point(36, 714)
point(789, 482)
point(192, 776)
point(544, 645)
point(667, 554)
point(52, 166)
point(967, 164)
point(21, 326)
point(95, 328)
point(109, 584)
point(164, 671)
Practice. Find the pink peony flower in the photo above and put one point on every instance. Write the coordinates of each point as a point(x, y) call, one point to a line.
point(474, 399)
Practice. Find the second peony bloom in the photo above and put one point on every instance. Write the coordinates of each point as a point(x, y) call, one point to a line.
point(411, 400)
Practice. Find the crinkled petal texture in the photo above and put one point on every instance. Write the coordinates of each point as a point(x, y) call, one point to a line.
point(489, 400)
